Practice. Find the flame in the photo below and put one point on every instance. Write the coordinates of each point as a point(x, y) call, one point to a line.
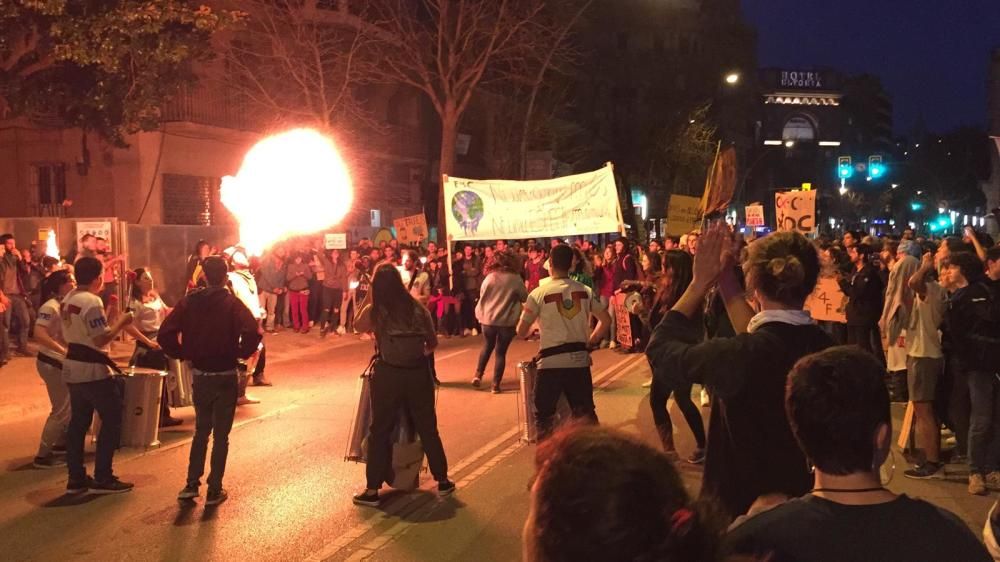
point(51, 247)
point(290, 184)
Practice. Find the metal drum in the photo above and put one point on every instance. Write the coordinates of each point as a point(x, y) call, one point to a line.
point(140, 408)
point(528, 375)
point(360, 422)
point(179, 383)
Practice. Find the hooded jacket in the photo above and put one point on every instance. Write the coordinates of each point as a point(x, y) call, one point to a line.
point(216, 327)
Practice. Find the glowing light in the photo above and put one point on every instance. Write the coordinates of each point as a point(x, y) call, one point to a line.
point(789, 143)
point(51, 247)
point(732, 78)
point(290, 184)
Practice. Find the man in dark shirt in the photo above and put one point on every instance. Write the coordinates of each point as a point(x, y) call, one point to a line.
point(866, 296)
point(212, 329)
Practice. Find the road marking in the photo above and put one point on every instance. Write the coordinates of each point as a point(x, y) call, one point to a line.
point(604, 384)
point(450, 355)
point(330, 550)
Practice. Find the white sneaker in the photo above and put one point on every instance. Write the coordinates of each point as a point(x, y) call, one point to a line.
point(475, 332)
point(465, 332)
point(341, 331)
point(613, 345)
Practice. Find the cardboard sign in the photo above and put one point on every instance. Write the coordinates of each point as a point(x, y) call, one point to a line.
point(100, 229)
point(411, 230)
point(335, 241)
point(827, 301)
point(796, 211)
point(755, 215)
point(683, 215)
point(623, 327)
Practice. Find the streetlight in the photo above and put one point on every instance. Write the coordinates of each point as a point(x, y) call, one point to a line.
point(789, 143)
point(733, 78)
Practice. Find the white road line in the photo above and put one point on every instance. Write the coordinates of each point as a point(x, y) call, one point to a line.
point(359, 530)
point(450, 355)
point(604, 384)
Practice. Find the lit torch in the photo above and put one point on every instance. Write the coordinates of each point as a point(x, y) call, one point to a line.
point(51, 247)
point(290, 184)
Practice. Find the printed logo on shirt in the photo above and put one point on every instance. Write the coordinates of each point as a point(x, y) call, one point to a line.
point(44, 315)
point(98, 322)
point(570, 307)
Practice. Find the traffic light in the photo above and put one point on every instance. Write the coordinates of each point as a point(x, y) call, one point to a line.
point(876, 169)
point(844, 168)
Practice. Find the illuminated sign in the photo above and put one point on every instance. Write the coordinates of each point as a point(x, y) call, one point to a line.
point(801, 79)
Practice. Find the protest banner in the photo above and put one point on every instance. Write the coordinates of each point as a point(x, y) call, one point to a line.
point(100, 229)
point(796, 211)
point(623, 327)
point(683, 215)
point(411, 229)
point(755, 215)
point(720, 183)
point(827, 301)
point(334, 241)
point(502, 209)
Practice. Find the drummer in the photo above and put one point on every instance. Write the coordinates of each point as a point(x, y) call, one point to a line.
point(149, 311)
point(51, 352)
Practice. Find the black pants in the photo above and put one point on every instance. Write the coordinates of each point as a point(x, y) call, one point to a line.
point(957, 402)
point(105, 397)
point(659, 393)
point(469, 321)
point(868, 339)
point(496, 338)
point(214, 410)
point(575, 383)
point(315, 298)
point(330, 307)
point(393, 389)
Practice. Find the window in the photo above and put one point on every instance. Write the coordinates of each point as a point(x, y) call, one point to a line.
point(50, 183)
point(799, 128)
point(192, 200)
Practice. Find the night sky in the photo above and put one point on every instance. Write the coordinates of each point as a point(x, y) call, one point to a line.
point(932, 55)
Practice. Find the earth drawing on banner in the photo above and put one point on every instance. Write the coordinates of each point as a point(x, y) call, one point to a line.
point(467, 208)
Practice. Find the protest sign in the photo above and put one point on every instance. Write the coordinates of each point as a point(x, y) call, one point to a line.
point(334, 241)
point(623, 328)
point(827, 301)
point(411, 230)
point(796, 211)
point(502, 209)
point(683, 215)
point(755, 215)
point(100, 229)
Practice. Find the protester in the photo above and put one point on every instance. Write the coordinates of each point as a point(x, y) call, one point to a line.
point(498, 311)
point(112, 273)
point(563, 308)
point(244, 287)
point(334, 283)
point(416, 280)
point(534, 269)
point(149, 311)
point(271, 285)
point(17, 310)
point(471, 273)
point(195, 274)
point(838, 408)
point(903, 258)
point(51, 353)
point(298, 277)
point(213, 330)
point(751, 450)
point(404, 336)
point(87, 371)
point(599, 494)
point(865, 295)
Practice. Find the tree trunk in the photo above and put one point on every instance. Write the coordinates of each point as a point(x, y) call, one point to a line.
point(449, 140)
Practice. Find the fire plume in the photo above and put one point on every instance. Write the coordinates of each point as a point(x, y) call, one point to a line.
point(290, 184)
point(51, 247)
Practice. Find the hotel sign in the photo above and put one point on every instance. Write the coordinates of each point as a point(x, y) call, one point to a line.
point(802, 79)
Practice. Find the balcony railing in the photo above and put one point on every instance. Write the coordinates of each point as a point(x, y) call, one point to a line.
point(210, 106)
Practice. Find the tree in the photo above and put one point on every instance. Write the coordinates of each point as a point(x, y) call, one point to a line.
point(102, 65)
point(448, 49)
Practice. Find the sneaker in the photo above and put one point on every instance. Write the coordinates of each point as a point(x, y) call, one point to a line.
point(477, 381)
point(446, 488)
point(613, 345)
point(80, 486)
point(926, 471)
point(245, 400)
point(341, 331)
point(48, 462)
point(367, 498)
point(993, 480)
point(475, 332)
point(496, 390)
point(189, 492)
point(111, 486)
point(977, 485)
point(215, 497)
point(706, 400)
point(697, 457)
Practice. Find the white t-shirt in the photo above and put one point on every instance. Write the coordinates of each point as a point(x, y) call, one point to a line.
point(562, 308)
point(83, 320)
point(148, 315)
point(245, 289)
point(923, 338)
point(48, 318)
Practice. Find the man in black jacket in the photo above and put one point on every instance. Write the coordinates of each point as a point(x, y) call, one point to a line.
point(866, 296)
point(217, 330)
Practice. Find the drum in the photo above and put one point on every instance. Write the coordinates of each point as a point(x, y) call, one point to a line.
point(528, 375)
point(140, 408)
point(179, 383)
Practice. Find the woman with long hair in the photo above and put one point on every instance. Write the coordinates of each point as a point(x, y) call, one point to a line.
point(402, 378)
point(195, 274)
point(677, 275)
point(606, 288)
point(51, 352)
point(150, 311)
point(752, 451)
point(498, 310)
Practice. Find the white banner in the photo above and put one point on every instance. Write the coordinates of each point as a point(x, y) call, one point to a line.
point(755, 215)
point(504, 209)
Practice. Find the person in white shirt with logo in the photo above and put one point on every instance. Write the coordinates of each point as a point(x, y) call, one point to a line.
point(51, 352)
point(562, 308)
point(87, 371)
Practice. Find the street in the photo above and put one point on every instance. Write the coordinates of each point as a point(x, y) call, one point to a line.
point(290, 490)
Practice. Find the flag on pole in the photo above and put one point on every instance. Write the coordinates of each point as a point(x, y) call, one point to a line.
point(720, 185)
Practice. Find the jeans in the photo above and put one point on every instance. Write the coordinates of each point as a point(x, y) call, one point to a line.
point(468, 312)
point(659, 393)
point(955, 406)
point(393, 389)
point(868, 339)
point(575, 383)
point(299, 303)
point(54, 431)
point(609, 306)
point(214, 410)
point(17, 312)
point(284, 311)
point(984, 422)
point(330, 306)
point(105, 397)
point(499, 338)
point(268, 301)
point(315, 297)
